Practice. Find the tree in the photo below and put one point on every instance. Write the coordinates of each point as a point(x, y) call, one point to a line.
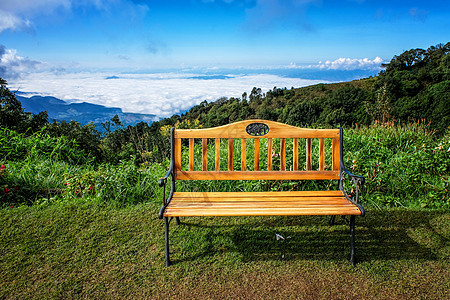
point(13, 116)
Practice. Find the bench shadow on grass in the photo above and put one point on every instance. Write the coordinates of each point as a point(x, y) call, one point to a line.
point(380, 235)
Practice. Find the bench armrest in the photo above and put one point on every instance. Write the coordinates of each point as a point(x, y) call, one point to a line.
point(162, 182)
point(359, 178)
point(358, 181)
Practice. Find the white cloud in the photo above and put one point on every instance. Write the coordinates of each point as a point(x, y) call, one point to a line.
point(18, 14)
point(346, 64)
point(161, 94)
point(12, 65)
point(352, 64)
point(15, 15)
point(11, 21)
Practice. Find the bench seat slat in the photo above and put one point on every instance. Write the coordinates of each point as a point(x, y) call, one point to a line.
point(308, 211)
point(256, 202)
point(258, 194)
point(260, 203)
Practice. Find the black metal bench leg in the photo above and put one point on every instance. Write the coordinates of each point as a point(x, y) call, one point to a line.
point(352, 240)
point(178, 220)
point(166, 225)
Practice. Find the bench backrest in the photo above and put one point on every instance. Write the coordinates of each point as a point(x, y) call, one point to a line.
point(256, 130)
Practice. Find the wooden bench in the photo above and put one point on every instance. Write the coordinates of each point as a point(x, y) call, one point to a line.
point(256, 133)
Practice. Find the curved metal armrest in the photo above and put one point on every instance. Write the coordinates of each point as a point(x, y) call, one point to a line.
point(357, 181)
point(359, 178)
point(162, 182)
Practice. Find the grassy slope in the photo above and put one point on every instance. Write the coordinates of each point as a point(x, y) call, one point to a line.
point(84, 250)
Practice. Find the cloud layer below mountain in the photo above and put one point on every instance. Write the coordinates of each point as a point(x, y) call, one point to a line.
point(162, 94)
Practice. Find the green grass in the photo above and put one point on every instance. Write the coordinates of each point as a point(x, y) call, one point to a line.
point(85, 250)
point(91, 230)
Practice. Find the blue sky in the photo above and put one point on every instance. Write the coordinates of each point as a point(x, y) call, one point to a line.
point(59, 37)
point(138, 34)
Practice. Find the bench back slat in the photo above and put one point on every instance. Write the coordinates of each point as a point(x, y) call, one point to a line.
point(269, 154)
point(336, 154)
point(321, 154)
point(217, 143)
point(295, 158)
point(271, 132)
point(230, 154)
point(191, 154)
point(256, 154)
point(308, 154)
point(205, 154)
point(244, 154)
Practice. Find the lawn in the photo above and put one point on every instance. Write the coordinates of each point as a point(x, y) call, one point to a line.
point(86, 250)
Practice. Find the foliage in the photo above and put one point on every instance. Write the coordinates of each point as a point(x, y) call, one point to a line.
point(417, 84)
point(13, 116)
point(414, 88)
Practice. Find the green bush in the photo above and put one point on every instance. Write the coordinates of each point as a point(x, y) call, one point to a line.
point(16, 146)
point(124, 183)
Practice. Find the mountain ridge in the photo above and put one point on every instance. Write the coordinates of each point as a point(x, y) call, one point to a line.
point(84, 112)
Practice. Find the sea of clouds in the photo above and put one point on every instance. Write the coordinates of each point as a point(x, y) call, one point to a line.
point(161, 94)
point(168, 92)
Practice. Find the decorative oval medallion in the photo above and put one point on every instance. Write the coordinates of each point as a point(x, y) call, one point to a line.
point(257, 129)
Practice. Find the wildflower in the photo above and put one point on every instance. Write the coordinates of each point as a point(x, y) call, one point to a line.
point(66, 183)
point(12, 206)
point(7, 190)
point(2, 167)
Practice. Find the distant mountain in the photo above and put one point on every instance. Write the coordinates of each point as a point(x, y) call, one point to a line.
point(84, 113)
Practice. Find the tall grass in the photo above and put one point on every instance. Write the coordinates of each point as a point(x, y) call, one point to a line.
point(406, 166)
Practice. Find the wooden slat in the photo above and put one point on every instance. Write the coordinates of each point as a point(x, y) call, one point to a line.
point(230, 154)
point(336, 153)
point(308, 154)
point(260, 204)
point(191, 154)
point(237, 130)
point(256, 154)
point(204, 154)
point(244, 154)
point(269, 154)
point(282, 154)
point(274, 201)
point(217, 158)
point(295, 158)
point(264, 211)
point(256, 212)
point(177, 148)
point(284, 194)
point(321, 154)
point(257, 175)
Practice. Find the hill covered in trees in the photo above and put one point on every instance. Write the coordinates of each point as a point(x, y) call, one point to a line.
point(413, 87)
point(43, 162)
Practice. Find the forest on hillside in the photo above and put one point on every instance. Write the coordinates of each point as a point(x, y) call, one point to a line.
point(401, 114)
point(413, 87)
